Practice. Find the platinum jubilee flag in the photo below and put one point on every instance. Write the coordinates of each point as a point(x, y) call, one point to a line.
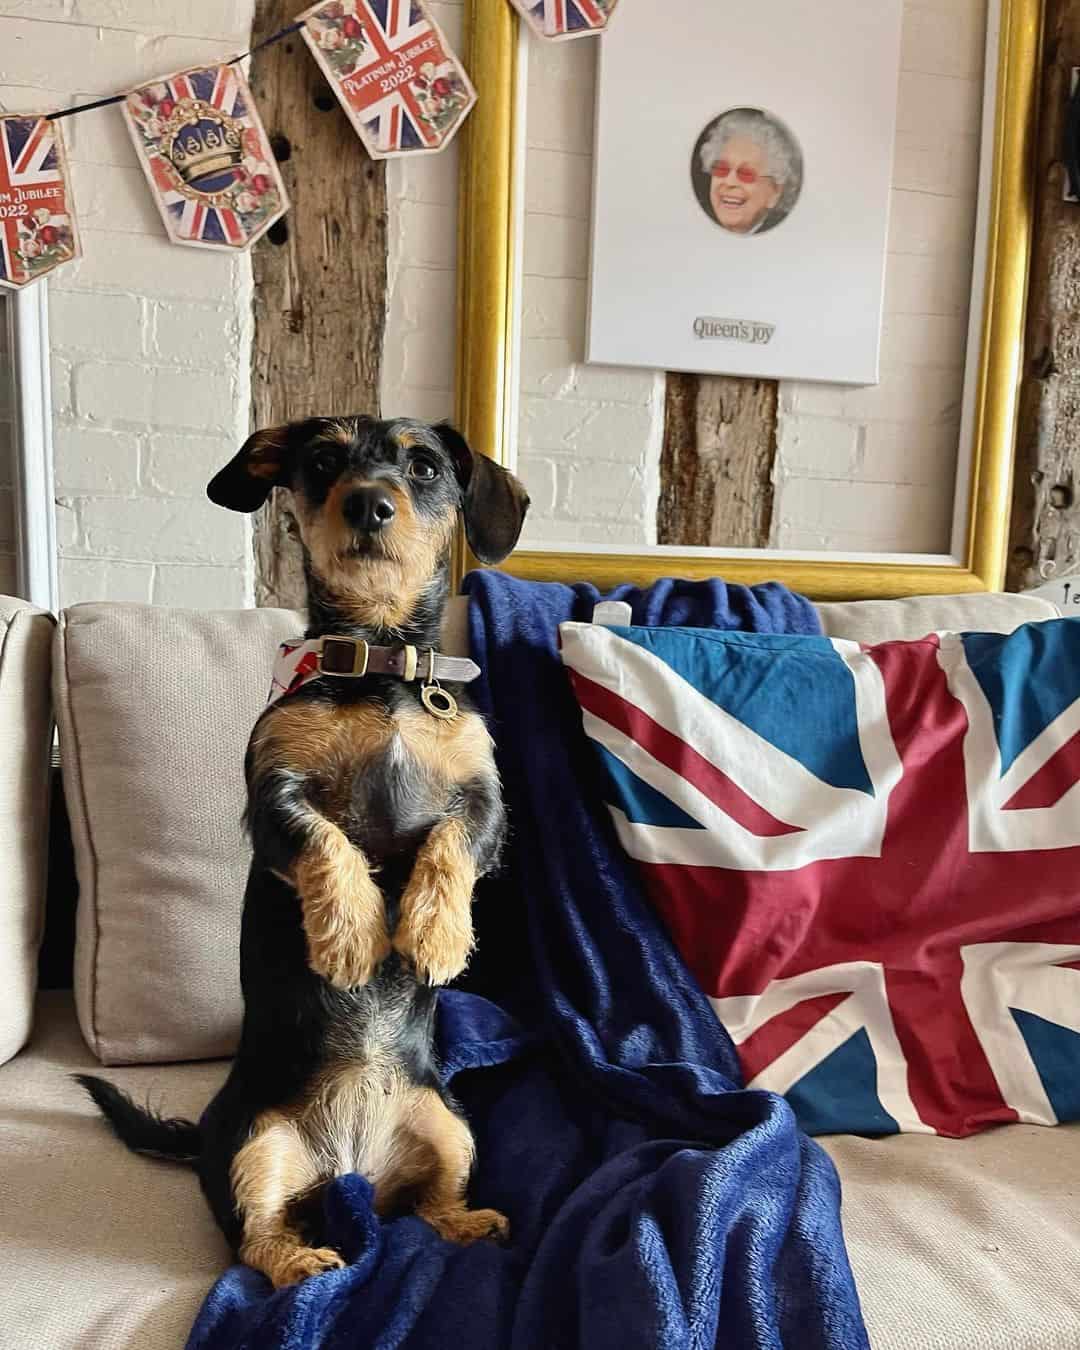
point(37, 218)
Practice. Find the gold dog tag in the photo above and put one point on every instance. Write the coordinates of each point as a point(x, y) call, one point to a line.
point(438, 702)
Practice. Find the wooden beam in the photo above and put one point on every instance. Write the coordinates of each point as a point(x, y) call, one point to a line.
point(1045, 529)
point(717, 461)
point(320, 275)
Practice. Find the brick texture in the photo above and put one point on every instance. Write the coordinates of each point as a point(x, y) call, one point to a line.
point(418, 355)
point(150, 341)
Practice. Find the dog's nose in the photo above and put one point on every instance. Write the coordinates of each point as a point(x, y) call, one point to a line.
point(369, 508)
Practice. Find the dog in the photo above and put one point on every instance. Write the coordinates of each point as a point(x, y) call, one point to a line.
point(373, 806)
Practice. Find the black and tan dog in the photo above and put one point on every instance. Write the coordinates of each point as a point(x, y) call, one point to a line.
point(371, 818)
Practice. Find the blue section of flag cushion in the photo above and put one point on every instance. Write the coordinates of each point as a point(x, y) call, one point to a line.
point(1017, 675)
point(840, 1095)
point(812, 720)
point(1055, 1051)
point(640, 802)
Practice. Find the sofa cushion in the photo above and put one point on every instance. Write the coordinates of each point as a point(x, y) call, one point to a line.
point(155, 707)
point(867, 856)
point(873, 621)
point(965, 1244)
point(25, 740)
point(101, 1250)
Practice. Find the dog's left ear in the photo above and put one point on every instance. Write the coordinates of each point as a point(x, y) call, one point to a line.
point(262, 463)
point(495, 501)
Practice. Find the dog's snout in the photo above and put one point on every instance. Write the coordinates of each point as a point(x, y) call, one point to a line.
point(369, 508)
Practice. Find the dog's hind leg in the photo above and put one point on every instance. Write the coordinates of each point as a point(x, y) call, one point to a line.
point(269, 1172)
point(441, 1200)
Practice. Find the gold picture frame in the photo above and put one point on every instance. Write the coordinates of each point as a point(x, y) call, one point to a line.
point(486, 299)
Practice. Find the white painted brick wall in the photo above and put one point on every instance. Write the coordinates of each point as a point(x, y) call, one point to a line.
point(418, 354)
point(151, 341)
point(857, 469)
point(591, 433)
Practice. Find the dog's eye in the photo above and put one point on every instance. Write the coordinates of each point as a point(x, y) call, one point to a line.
point(425, 470)
point(325, 462)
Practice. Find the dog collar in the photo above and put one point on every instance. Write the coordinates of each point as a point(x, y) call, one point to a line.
point(299, 661)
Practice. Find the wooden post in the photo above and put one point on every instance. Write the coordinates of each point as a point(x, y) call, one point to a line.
point(320, 275)
point(1045, 531)
point(716, 465)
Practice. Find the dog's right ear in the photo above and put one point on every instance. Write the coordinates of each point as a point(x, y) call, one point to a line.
point(263, 463)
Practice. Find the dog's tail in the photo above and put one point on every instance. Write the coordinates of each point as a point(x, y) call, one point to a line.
point(140, 1128)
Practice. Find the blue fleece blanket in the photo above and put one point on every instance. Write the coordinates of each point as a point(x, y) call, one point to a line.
point(654, 1203)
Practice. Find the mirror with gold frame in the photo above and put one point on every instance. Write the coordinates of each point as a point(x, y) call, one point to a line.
point(493, 218)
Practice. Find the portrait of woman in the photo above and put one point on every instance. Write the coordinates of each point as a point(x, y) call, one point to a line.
point(704, 142)
point(747, 171)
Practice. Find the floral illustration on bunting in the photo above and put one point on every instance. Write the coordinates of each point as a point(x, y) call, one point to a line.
point(37, 218)
point(395, 75)
point(205, 154)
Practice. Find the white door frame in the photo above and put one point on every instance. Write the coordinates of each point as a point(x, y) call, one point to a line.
point(35, 483)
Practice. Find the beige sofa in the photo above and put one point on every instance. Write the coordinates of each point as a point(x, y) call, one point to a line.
point(971, 1245)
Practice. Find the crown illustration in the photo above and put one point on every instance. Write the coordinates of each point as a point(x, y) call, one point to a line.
point(203, 144)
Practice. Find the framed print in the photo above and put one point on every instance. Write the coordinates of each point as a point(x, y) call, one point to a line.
point(876, 490)
point(750, 210)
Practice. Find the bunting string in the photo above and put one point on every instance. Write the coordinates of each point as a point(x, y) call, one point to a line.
point(119, 98)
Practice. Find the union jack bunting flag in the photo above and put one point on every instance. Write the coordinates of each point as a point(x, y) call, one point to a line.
point(869, 857)
point(393, 72)
point(37, 218)
point(566, 18)
point(205, 155)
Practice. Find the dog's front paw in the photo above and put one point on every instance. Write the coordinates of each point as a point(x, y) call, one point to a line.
point(345, 921)
point(351, 955)
point(434, 930)
point(437, 939)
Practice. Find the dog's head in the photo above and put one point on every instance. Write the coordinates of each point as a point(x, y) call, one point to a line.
point(376, 502)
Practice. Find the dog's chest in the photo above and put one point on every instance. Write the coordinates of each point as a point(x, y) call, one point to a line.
point(384, 771)
point(391, 772)
point(394, 797)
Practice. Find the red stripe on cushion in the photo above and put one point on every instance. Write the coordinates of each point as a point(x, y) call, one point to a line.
point(781, 1032)
point(1047, 787)
point(676, 755)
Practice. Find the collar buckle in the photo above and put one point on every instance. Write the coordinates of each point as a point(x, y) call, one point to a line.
point(347, 657)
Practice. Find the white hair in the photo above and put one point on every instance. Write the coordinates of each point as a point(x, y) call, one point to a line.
point(782, 158)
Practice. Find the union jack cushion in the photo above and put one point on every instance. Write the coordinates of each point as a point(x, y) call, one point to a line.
point(868, 856)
